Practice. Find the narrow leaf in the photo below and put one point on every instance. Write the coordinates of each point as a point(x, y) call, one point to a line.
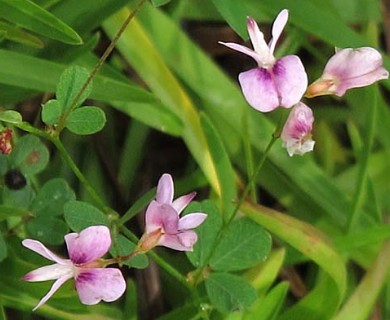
point(30, 16)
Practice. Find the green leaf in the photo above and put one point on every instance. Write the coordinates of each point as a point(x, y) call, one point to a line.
point(30, 16)
point(51, 112)
point(244, 244)
point(268, 307)
point(158, 3)
point(360, 304)
point(3, 248)
point(15, 34)
point(80, 215)
point(223, 166)
point(21, 198)
point(86, 120)
point(122, 247)
point(313, 244)
point(47, 229)
point(228, 292)
point(71, 82)
point(52, 197)
point(30, 155)
point(207, 232)
point(11, 116)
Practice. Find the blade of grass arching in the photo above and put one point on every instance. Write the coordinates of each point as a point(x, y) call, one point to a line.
point(29, 15)
point(312, 243)
point(223, 167)
point(363, 159)
point(138, 49)
point(37, 74)
point(131, 155)
point(224, 104)
point(363, 299)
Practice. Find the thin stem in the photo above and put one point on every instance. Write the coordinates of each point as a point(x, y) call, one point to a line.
point(252, 180)
point(358, 197)
point(160, 261)
point(95, 70)
point(68, 159)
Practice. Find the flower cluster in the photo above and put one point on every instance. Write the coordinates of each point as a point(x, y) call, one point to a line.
point(283, 82)
point(85, 265)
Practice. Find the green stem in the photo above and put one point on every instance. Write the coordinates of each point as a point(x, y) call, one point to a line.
point(198, 273)
point(68, 159)
point(252, 180)
point(160, 261)
point(95, 70)
point(359, 195)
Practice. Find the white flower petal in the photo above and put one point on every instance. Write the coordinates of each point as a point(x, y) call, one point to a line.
point(277, 28)
point(53, 289)
point(51, 272)
point(39, 248)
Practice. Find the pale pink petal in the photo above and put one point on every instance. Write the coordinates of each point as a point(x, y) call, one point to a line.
point(39, 248)
point(351, 63)
point(175, 243)
point(258, 42)
point(358, 82)
point(191, 221)
point(88, 245)
point(56, 285)
point(188, 239)
point(51, 272)
point(243, 50)
point(259, 89)
point(165, 189)
point(161, 216)
point(180, 203)
point(296, 133)
point(290, 80)
point(277, 28)
point(153, 217)
point(170, 219)
point(94, 285)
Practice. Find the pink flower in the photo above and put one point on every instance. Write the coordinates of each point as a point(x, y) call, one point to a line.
point(163, 227)
point(93, 283)
point(275, 82)
point(349, 68)
point(6, 141)
point(296, 133)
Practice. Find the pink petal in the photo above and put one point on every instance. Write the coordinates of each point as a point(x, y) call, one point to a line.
point(182, 241)
point(277, 28)
point(258, 42)
point(161, 216)
point(52, 272)
point(259, 89)
point(243, 50)
point(53, 289)
point(180, 203)
point(165, 189)
point(94, 285)
point(296, 133)
point(290, 80)
point(88, 245)
point(153, 217)
point(191, 221)
point(39, 248)
point(351, 63)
